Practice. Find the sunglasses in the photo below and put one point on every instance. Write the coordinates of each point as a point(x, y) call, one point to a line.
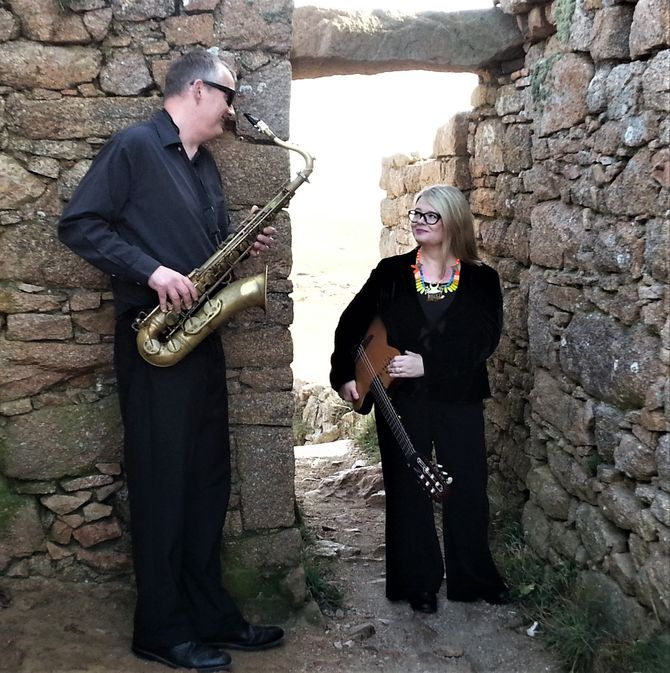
point(230, 93)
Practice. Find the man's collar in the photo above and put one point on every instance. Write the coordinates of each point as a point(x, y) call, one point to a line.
point(168, 131)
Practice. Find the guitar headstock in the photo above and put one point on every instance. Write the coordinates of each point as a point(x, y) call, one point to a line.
point(435, 479)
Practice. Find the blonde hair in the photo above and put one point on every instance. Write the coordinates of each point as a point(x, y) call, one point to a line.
point(457, 224)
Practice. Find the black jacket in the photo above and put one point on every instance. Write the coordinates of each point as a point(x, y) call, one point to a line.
point(454, 351)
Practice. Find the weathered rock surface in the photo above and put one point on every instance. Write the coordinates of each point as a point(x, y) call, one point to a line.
point(332, 42)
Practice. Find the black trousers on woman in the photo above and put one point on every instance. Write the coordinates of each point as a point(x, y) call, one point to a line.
point(177, 462)
point(414, 561)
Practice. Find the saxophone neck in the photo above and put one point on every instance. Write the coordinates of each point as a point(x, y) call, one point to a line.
point(261, 126)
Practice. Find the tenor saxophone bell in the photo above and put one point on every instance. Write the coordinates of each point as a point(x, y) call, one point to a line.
point(165, 338)
point(211, 313)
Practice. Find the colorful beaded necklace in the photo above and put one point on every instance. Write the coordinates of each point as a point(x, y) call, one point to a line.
point(435, 291)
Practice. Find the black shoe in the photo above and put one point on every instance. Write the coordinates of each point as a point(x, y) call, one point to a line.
point(503, 597)
point(250, 638)
point(462, 598)
point(426, 602)
point(190, 654)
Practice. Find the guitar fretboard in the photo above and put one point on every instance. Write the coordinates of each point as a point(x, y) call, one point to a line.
point(388, 412)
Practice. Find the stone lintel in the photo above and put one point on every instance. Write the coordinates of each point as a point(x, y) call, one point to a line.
point(331, 42)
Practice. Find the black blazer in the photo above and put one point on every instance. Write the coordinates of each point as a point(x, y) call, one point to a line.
point(454, 350)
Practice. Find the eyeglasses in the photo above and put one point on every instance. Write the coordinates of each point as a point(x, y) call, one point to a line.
point(230, 93)
point(429, 217)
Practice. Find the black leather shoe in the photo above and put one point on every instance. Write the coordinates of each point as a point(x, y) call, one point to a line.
point(503, 597)
point(250, 638)
point(426, 602)
point(198, 656)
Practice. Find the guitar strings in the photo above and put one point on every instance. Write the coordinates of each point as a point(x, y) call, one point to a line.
point(432, 483)
point(404, 441)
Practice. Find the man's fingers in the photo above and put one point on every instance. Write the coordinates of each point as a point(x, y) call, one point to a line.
point(174, 290)
point(192, 289)
point(162, 299)
point(175, 298)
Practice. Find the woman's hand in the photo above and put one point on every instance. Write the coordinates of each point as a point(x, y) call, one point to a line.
point(348, 391)
point(407, 366)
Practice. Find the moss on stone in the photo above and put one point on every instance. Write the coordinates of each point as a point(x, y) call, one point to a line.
point(538, 89)
point(54, 442)
point(9, 503)
point(261, 591)
point(563, 12)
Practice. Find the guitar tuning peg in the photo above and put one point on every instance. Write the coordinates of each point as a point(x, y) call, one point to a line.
point(450, 480)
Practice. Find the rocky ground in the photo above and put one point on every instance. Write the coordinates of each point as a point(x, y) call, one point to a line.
point(49, 627)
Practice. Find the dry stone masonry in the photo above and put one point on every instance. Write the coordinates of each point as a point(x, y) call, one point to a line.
point(566, 162)
point(72, 72)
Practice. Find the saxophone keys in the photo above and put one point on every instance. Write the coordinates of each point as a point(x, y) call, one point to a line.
point(152, 346)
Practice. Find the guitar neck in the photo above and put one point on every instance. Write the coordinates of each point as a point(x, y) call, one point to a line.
point(372, 359)
point(388, 412)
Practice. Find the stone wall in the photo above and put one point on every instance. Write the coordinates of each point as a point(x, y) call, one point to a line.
point(72, 73)
point(565, 159)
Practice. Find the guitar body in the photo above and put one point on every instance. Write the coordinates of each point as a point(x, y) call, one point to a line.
point(372, 380)
point(374, 363)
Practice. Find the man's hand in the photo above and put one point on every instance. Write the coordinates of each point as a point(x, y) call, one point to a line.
point(348, 391)
point(263, 241)
point(407, 366)
point(174, 290)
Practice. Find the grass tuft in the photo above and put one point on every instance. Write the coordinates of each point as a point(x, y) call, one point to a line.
point(318, 572)
point(318, 577)
point(570, 619)
point(366, 439)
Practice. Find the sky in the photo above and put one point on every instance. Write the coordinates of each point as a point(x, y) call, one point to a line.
point(349, 123)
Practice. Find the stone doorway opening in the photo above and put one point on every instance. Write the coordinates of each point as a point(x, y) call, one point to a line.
point(349, 123)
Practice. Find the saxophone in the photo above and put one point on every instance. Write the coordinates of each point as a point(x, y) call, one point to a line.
point(165, 338)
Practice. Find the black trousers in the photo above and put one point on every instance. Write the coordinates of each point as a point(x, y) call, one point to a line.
point(177, 462)
point(414, 564)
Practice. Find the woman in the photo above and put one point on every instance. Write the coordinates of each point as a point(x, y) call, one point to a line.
point(442, 309)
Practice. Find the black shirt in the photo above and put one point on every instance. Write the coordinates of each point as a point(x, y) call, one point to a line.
point(143, 204)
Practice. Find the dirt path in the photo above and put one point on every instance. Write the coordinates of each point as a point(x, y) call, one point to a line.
point(51, 627)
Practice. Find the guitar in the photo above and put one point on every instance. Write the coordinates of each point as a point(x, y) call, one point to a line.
point(372, 358)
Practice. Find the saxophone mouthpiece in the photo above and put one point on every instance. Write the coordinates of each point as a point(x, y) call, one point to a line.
point(261, 126)
point(251, 119)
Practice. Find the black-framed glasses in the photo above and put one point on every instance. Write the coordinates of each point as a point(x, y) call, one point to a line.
point(230, 93)
point(429, 217)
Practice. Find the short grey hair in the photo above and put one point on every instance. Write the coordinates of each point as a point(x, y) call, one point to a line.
point(196, 64)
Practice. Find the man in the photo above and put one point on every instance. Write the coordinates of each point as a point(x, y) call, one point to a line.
point(151, 209)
